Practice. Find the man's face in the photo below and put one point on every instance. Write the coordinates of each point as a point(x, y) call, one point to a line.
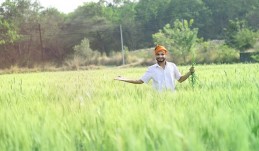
point(160, 56)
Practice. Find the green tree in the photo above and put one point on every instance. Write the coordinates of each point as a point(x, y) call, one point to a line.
point(189, 9)
point(127, 18)
point(51, 21)
point(8, 33)
point(88, 21)
point(180, 38)
point(233, 27)
point(252, 18)
point(84, 52)
point(238, 35)
point(244, 39)
point(23, 16)
point(149, 14)
point(224, 10)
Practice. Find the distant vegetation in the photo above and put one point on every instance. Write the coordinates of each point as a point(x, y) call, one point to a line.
point(32, 35)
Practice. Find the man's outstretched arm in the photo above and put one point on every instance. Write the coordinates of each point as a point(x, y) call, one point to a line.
point(186, 76)
point(119, 78)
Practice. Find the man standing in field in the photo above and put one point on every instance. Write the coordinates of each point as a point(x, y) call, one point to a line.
point(163, 73)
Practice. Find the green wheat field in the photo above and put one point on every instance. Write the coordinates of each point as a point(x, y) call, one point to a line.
point(89, 111)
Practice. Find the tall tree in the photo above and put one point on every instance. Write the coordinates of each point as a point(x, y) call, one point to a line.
point(88, 21)
point(147, 16)
point(23, 15)
point(252, 17)
point(51, 21)
point(189, 9)
point(8, 33)
point(225, 10)
point(126, 18)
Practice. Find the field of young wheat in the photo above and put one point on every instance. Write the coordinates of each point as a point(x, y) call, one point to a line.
point(89, 111)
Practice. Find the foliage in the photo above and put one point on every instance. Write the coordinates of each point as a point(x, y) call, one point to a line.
point(255, 57)
point(22, 17)
point(226, 54)
point(53, 35)
point(256, 46)
point(190, 9)
point(22, 13)
point(252, 18)
point(148, 11)
point(84, 51)
point(99, 22)
point(233, 27)
point(245, 39)
point(216, 51)
point(150, 18)
point(8, 32)
point(181, 38)
point(222, 11)
point(239, 36)
point(90, 21)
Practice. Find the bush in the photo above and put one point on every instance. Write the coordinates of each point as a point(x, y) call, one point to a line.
point(225, 54)
point(255, 57)
point(83, 56)
point(216, 51)
point(245, 39)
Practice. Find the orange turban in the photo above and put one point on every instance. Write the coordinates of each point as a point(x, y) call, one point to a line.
point(160, 48)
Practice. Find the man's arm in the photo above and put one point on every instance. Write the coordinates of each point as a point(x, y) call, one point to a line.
point(186, 76)
point(119, 78)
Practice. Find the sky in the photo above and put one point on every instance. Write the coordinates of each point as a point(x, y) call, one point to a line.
point(65, 6)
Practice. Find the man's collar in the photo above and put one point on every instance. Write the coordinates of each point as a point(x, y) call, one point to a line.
point(157, 65)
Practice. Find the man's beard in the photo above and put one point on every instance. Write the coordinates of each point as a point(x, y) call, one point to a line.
point(160, 60)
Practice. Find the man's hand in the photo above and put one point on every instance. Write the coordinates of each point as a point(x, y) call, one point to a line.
point(184, 77)
point(192, 70)
point(119, 78)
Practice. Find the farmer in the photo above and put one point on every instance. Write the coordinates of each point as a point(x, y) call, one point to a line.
point(163, 73)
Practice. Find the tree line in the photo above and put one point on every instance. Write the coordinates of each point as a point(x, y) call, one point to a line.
point(31, 34)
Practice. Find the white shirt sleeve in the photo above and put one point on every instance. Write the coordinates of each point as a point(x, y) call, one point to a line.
point(177, 74)
point(147, 76)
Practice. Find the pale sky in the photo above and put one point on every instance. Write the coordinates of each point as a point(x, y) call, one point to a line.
point(64, 6)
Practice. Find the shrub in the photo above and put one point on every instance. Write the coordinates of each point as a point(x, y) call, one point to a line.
point(245, 39)
point(216, 51)
point(83, 56)
point(225, 54)
point(255, 57)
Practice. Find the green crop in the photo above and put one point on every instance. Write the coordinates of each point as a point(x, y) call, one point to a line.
point(89, 111)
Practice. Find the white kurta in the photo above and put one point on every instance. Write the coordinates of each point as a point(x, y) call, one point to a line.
point(162, 78)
